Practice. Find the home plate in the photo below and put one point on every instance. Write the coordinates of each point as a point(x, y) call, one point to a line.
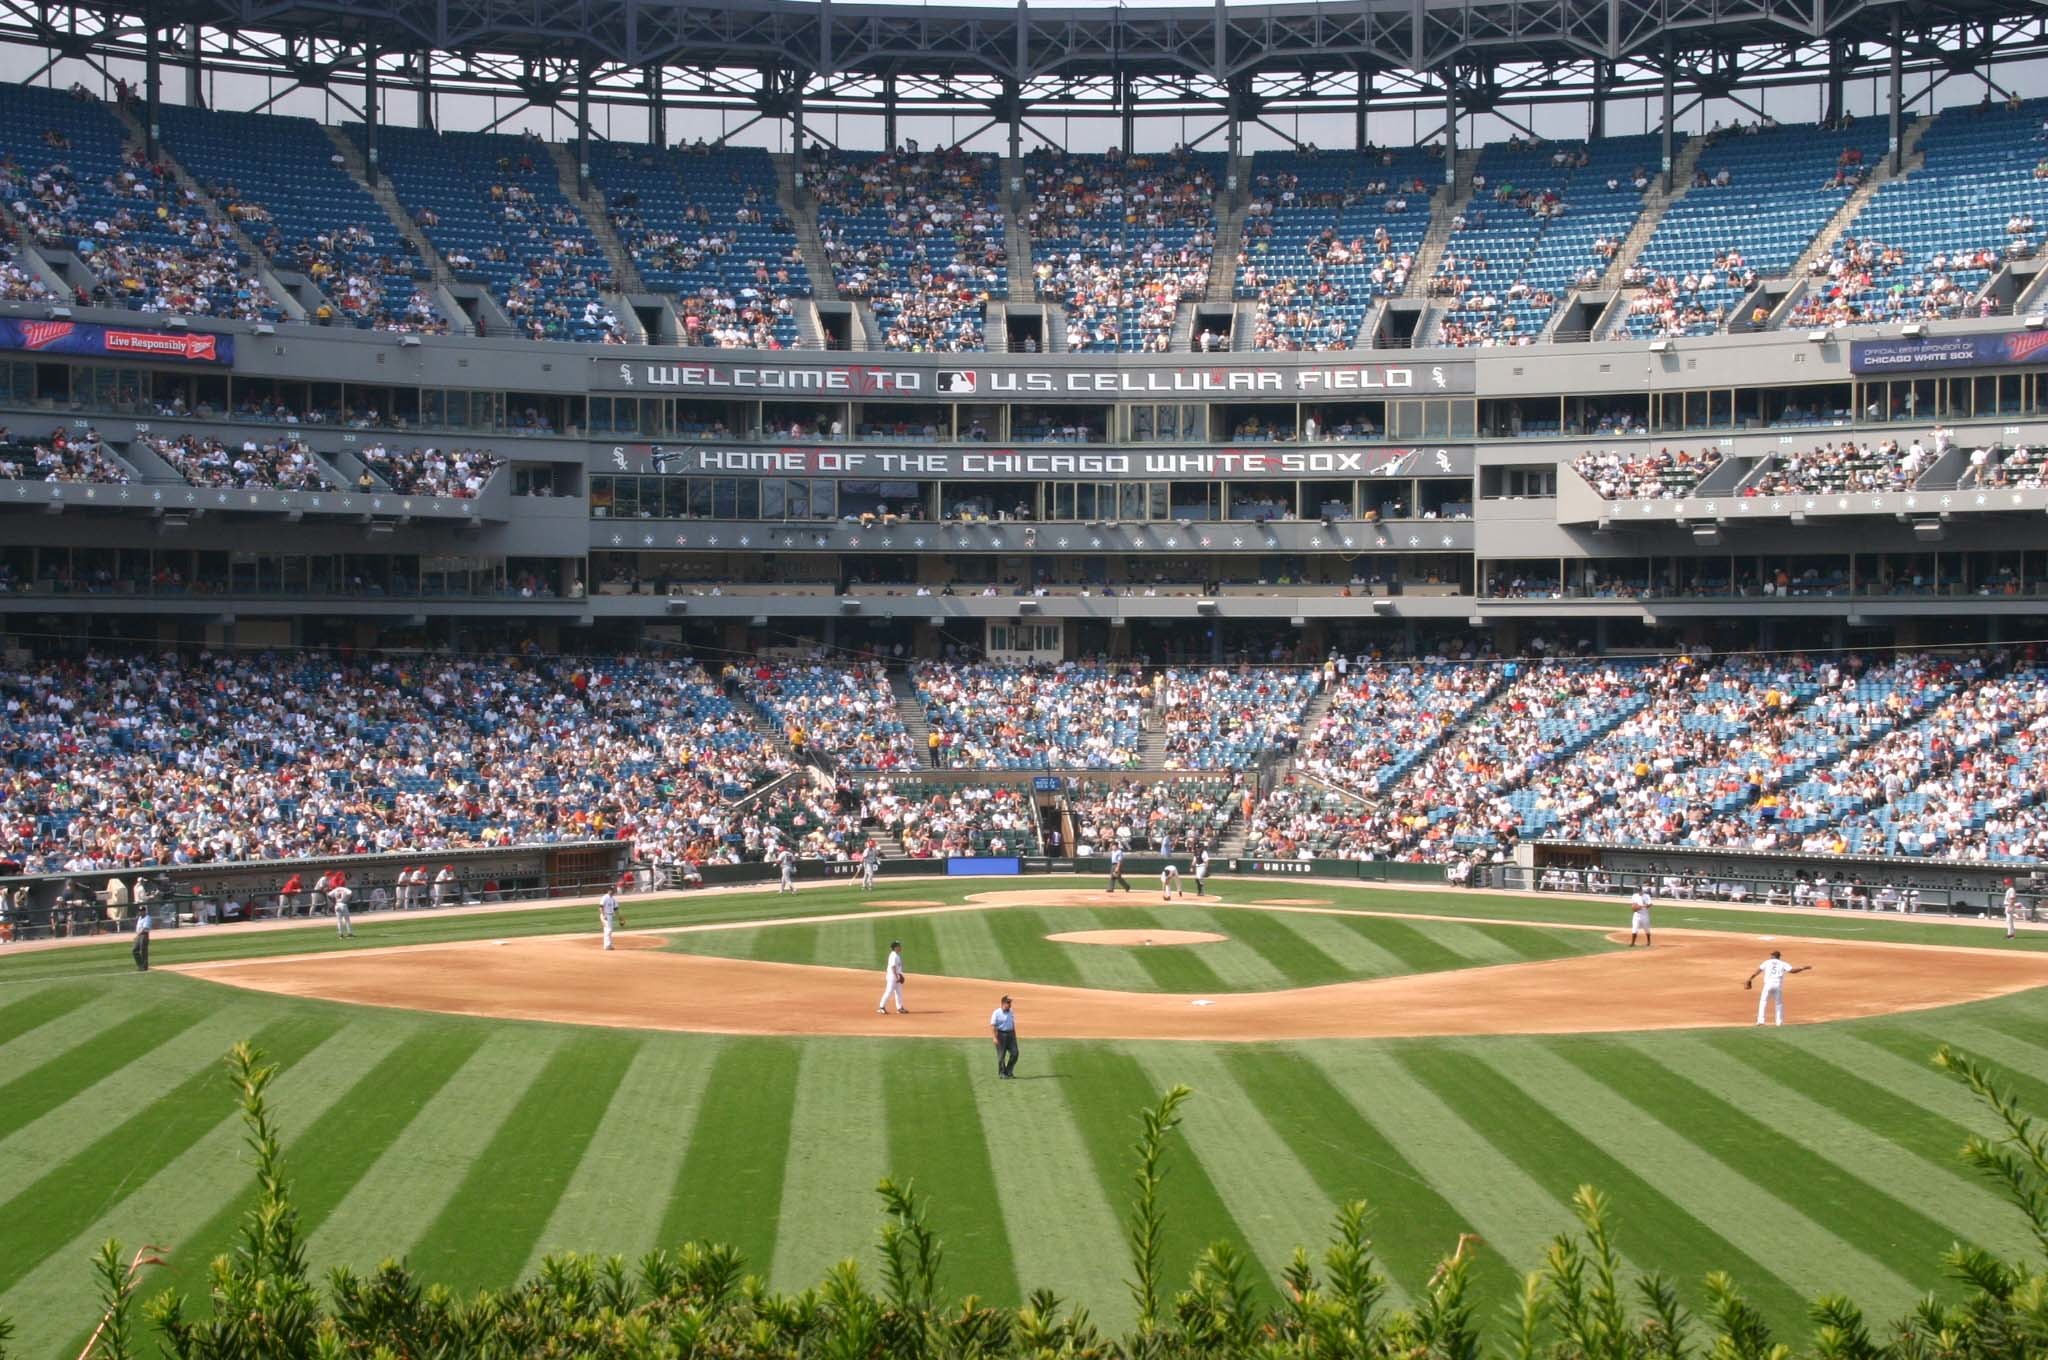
point(1203, 1002)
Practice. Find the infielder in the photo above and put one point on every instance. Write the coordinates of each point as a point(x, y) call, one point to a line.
point(1639, 918)
point(788, 862)
point(608, 914)
point(892, 980)
point(1775, 970)
point(2012, 907)
point(1169, 883)
point(337, 897)
point(1201, 873)
point(870, 865)
point(1116, 869)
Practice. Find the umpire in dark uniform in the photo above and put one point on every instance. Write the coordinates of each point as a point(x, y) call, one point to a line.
point(141, 950)
point(1004, 1025)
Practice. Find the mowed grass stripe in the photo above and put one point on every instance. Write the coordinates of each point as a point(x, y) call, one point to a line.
point(1026, 953)
point(1066, 1232)
point(487, 1229)
point(934, 1140)
point(838, 1154)
point(1338, 1143)
point(1656, 1230)
point(46, 1085)
point(922, 951)
point(1415, 949)
point(1270, 1193)
point(607, 1206)
point(31, 1150)
point(102, 1171)
point(39, 1005)
point(1106, 1088)
point(1176, 968)
point(2017, 1061)
point(1238, 965)
point(729, 1188)
point(1513, 1211)
point(1284, 945)
point(1825, 1105)
point(395, 1201)
point(337, 1147)
point(1111, 968)
point(1909, 1076)
point(179, 1205)
point(1730, 1173)
point(972, 949)
point(1524, 944)
point(1339, 937)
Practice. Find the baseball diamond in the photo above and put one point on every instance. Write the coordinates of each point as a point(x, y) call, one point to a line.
point(731, 1042)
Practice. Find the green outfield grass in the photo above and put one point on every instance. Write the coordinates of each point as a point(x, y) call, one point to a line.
point(1263, 951)
point(1801, 1159)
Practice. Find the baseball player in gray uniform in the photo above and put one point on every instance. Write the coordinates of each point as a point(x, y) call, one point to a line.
point(870, 865)
point(337, 897)
point(788, 863)
point(608, 913)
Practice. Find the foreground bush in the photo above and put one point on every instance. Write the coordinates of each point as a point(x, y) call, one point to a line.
point(698, 1301)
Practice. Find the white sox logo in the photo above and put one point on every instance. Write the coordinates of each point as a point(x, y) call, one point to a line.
point(1436, 375)
point(619, 459)
point(626, 374)
point(1443, 460)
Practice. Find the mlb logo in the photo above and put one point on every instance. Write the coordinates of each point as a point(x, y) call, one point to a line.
point(960, 382)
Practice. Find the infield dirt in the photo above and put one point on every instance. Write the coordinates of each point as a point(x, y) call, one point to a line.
point(1691, 979)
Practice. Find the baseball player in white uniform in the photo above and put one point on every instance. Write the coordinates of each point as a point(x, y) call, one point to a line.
point(892, 980)
point(338, 897)
point(870, 865)
point(1639, 918)
point(1201, 873)
point(1169, 882)
point(608, 913)
point(788, 863)
point(2012, 907)
point(1774, 971)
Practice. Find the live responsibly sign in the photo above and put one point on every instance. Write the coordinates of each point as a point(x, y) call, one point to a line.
point(1107, 381)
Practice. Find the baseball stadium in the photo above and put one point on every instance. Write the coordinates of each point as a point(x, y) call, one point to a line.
point(795, 678)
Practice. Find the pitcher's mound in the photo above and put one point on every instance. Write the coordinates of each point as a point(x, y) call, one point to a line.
point(1137, 937)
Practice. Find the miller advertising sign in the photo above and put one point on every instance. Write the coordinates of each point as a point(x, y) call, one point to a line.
point(1278, 462)
point(1106, 381)
point(1948, 351)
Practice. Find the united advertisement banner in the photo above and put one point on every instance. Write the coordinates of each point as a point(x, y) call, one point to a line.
point(87, 340)
point(1948, 351)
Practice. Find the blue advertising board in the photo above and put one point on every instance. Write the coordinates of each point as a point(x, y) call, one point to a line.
point(984, 864)
point(84, 338)
point(1948, 351)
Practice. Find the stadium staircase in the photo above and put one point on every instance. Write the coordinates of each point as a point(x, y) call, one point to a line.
point(1055, 330)
point(31, 259)
point(1910, 159)
point(591, 207)
point(802, 210)
point(1244, 326)
point(810, 331)
point(265, 269)
point(1439, 234)
point(1183, 337)
point(1229, 241)
point(443, 277)
point(1655, 204)
point(911, 710)
point(1017, 235)
point(995, 327)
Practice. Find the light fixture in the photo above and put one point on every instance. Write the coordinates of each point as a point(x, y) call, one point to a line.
point(758, 621)
point(176, 323)
point(1030, 607)
point(1913, 330)
point(2035, 321)
point(1819, 335)
point(1205, 606)
point(1929, 530)
point(265, 328)
point(408, 342)
point(678, 605)
point(60, 313)
point(1297, 622)
point(1382, 606)
point(1660, 347)
point(849, 605)
point(1799, 519)
point(1706, 535)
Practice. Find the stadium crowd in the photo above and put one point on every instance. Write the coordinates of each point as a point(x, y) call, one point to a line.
point(1069, 716)
point(457, 473)
point(63, 455)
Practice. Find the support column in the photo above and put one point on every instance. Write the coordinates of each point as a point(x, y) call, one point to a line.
point(1603, 73)
point(1128, 96)
point(426, 90)
point(1361, 131)
point(583, 128)
point(657, 112)
point(1670, 97)
point(152, 82)
point(1838, 77)
point(195, 93)
point(370, 115)
point(1450, 129)
point(1898, 91)
point(1013, 97)
point(889, 112)
point(796, 124)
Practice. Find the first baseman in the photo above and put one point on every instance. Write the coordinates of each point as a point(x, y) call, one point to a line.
point(870, 865)
point(788, 872)
point(892, 980)
point(1775, 970)
point(2012, 907)
point(1639, 919)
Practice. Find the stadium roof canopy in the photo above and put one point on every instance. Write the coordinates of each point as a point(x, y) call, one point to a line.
point(1006, 62)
